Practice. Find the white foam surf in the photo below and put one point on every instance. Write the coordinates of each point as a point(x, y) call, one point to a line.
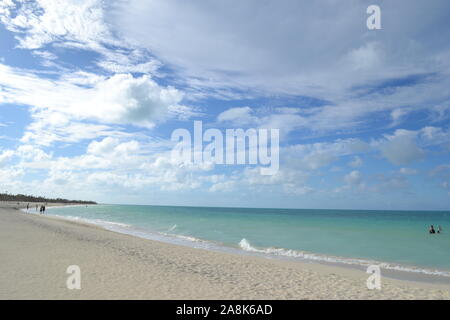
point(245, 245)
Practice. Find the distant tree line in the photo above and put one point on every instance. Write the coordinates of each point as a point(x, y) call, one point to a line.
point(28, 198)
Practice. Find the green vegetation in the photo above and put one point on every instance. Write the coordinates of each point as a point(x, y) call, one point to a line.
point(28, 198)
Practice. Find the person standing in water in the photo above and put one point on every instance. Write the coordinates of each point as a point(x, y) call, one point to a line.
point(431, 231)
point(439, 230)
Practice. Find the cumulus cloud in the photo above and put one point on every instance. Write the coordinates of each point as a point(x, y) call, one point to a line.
point(401, 147)
point(125, 99)
point(239, 116)
point(106, 145)
point(32, 153)
point(5, 156)
point(406, 146)
point(353, 178)
point(10, 179)
point(85, 108)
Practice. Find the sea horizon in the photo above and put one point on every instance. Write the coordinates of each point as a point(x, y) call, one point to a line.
point(256, 207)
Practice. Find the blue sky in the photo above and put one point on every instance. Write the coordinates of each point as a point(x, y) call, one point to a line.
point(90, 93)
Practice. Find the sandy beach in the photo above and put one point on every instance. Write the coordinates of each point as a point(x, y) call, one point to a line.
point(35, 252)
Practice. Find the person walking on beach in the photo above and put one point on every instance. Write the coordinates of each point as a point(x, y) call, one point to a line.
point(43, 209)
point(432, 231)
point(28, 205)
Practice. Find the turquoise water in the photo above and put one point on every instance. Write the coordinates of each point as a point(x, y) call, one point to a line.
point(399, 239)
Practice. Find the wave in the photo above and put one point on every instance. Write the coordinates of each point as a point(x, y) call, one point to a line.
point(132, 230)
point(182, 237)
point(245, 245)
point(97, 221)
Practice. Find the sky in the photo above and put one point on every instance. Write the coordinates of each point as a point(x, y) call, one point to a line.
point(91, 91)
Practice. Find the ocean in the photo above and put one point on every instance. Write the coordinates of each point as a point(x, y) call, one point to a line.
point(396, 240)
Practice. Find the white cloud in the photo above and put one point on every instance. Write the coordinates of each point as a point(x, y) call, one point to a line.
point(33, 153)
point(408, 171)
point(225, 186)
point(353, 178)
point(5, 156)
point(434, 136)
point(73, 24)
point(10, 179)
point(389, 183)
point(284, 119)
point(366, 57)
point(218, 44)
point(43, 132)
point(317, 155)
point(46, 21)
point(61, 109)
point(239, 52)
point(106, 145)
point(125, 99)
point(356, 162)
point(82, 78)
point(238, 116)
point(401, 148)
point(146, 67)
point(406, 146)
point(398, 114)
point(214, 47)
point(46, 55)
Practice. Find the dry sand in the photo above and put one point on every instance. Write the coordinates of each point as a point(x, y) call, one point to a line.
point(35, 252)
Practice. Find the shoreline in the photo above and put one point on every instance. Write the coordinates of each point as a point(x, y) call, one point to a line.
point(187, 273)
point(393, 270)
